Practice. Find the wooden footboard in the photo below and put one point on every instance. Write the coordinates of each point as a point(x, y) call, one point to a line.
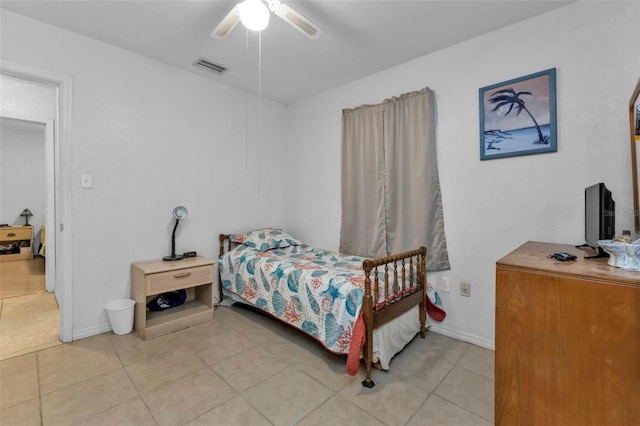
point(403, 287)
point(396, 283)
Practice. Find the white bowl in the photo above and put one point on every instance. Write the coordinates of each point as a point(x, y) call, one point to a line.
point(622, 255)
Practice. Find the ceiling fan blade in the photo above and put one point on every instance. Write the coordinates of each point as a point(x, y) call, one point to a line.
point(228, 23)
point(295, 19)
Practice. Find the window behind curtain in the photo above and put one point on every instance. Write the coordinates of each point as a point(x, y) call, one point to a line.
point(391, 200)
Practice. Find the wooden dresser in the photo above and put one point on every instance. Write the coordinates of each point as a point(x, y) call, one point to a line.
point(567, 340)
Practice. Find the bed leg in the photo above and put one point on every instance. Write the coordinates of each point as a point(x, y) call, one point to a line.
point(367, 316)
point(423, 319)
point(422, 282)
point(368, 383)
point(368, 355)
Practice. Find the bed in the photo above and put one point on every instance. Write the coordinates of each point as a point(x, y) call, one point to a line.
point(43, 241)
point(351, 305)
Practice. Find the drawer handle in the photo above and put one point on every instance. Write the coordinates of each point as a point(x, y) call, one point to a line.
point(11, 234)
point(182, 275)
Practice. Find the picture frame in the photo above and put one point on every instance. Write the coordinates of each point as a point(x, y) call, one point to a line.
point(518, 116)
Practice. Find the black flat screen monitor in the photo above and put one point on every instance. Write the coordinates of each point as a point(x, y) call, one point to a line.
point(599, 217)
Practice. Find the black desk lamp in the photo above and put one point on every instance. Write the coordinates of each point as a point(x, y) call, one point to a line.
point(26, 213)
point(179, 213)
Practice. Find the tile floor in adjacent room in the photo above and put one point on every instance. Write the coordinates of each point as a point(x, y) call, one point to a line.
point(28, 323)
point(243, 368)
point(22, 277)
point(29, 316)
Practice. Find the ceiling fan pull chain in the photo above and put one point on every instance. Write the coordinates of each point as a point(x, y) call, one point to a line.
point(259, 109)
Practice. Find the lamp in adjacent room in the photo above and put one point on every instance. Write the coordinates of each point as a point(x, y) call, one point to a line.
point(179, 212)
point(26, 213)
point(254, 15)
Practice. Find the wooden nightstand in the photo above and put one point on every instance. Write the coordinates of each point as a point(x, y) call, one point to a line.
point(20, 235)
point(148, 279)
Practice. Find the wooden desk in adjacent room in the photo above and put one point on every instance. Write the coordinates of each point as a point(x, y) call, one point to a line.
point(567, 340)
point(21, 238)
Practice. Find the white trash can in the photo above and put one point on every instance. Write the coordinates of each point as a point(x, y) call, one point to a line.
point(120, 313)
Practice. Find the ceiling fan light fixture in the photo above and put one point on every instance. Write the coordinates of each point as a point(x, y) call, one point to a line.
point(254, 15)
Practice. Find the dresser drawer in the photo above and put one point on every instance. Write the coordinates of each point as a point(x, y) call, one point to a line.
point(178, 279)
point(15, 234)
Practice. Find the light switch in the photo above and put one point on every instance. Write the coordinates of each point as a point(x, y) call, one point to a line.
point(86, 180)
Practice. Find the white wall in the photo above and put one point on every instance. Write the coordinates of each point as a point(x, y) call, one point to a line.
point(26, 100)
point(22, 174)
point(24, 142)
point(153, 137)
point(492, 207)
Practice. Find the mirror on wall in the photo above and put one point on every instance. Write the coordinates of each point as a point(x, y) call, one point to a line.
point(634, 122)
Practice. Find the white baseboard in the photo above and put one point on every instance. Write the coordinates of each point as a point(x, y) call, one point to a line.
point(438, 328)
point(91, 331)
point(467, 337)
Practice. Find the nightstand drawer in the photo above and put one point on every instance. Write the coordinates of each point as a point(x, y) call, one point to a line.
point(178, 279)
point(15, 234)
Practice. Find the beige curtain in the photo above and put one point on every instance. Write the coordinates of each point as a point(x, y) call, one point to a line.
point(391, 200)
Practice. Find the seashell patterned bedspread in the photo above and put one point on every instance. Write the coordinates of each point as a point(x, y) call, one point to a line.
point(317, 291)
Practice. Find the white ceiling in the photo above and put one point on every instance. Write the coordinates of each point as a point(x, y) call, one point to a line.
point(360, 37)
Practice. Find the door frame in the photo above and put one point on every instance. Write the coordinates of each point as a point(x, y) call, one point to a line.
point(59, 171)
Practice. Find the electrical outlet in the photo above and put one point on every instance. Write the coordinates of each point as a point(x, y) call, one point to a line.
point(445, 285)
point(465, 289)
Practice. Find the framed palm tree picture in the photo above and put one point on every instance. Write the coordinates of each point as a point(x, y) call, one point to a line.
point(518, 117)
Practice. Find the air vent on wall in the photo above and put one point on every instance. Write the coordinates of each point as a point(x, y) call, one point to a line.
point(208, 65)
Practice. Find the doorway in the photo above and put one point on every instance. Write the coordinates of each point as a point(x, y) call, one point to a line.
point(29, 318)
point(22, 91)
point(29, 315)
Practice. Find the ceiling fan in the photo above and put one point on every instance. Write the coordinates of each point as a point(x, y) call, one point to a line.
point(254, 15)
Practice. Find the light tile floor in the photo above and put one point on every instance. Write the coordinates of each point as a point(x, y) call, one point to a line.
point(243, 368)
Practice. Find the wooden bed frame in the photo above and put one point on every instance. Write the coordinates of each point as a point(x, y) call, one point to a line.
point(398, 298)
